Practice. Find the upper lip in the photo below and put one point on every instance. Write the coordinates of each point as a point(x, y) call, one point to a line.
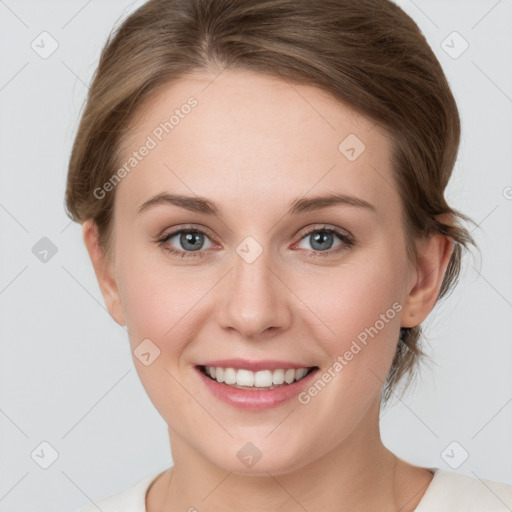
point(254, 366)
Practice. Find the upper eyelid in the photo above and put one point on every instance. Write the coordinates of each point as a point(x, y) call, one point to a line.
point(177, 231)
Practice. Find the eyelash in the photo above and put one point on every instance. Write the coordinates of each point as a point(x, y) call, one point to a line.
point(347, 240)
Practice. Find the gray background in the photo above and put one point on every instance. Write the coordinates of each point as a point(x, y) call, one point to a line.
point(66, 373)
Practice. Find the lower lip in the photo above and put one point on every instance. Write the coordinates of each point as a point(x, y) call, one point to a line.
point(248, 399)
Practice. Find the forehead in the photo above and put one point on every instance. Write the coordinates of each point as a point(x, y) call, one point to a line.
point(249, 137)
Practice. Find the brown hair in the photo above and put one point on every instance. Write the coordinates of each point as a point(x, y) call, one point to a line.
point(367, 53)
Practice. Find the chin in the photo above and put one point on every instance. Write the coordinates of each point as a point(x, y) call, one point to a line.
point(251, 461)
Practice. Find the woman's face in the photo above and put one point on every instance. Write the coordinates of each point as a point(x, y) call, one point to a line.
point(257, 286)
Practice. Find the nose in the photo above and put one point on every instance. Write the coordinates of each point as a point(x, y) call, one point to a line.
point(255, 301)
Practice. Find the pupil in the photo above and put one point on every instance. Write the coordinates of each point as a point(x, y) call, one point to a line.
point(190, 238)
point(319, 238)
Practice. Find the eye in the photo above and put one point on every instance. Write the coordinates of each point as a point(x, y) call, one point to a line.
point(191, 241)
point(321, 240)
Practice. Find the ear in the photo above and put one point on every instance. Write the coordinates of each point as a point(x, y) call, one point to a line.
point(426, 278)
point(104, 271)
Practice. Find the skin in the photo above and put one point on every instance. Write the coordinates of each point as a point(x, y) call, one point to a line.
point(253, 144)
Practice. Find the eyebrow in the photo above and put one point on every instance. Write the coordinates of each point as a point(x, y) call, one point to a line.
point(307, 204)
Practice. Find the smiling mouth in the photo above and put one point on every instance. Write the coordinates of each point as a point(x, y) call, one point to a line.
point(263, 380)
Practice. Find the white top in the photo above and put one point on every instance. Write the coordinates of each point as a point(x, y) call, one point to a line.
point(447, 492)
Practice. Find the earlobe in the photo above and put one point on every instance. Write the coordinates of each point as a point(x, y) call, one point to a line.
point(433, 257)
point(104, 271)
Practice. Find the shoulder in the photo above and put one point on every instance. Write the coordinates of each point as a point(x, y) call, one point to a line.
point(454, 492)
point(132, 499)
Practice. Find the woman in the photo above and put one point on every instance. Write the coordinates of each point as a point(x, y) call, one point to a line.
point(223, 145)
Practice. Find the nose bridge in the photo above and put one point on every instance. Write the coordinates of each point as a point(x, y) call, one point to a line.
point(255, 299)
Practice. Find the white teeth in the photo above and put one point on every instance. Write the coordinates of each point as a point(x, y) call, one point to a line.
point(289, 376)
point(259, 379)
point(263, 379)
point(230, 376)
point(278, 376)
point(245, 378)
point(301, 372)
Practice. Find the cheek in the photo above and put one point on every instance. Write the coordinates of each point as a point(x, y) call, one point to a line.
point(353, 297)
point(160, 305)
point(153, 297)
point(356, 321)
